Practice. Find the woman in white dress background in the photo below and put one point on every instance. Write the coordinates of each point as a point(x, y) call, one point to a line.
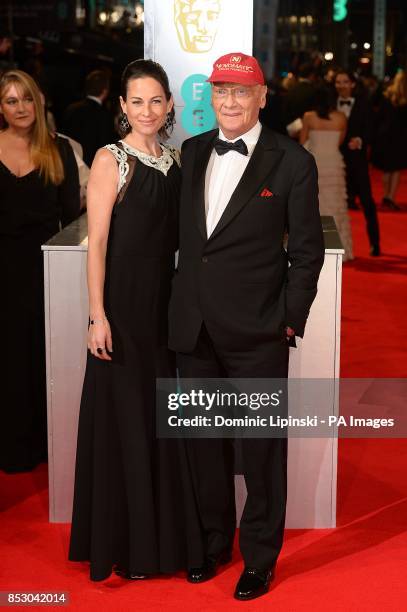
point(322, 134)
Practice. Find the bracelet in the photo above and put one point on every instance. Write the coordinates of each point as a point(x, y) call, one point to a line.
point(94, 321)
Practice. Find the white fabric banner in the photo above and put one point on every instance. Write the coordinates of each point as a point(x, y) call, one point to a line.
point(186, 37)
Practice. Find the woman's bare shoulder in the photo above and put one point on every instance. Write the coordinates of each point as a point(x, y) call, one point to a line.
point(105, 156)
point(105, 161)
point(338, 116)
point(309, 115)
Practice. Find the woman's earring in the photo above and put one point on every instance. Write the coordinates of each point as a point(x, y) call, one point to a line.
point(169, 122)
point(124, 123)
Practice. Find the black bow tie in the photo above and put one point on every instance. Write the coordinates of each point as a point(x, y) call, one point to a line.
point(346, 102)
point(223, 146)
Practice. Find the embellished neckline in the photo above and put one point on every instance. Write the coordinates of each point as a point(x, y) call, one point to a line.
point(138, 152)
point(162, 163)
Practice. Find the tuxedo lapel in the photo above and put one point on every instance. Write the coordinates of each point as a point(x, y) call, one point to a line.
point(264, 158)
point(203, 153)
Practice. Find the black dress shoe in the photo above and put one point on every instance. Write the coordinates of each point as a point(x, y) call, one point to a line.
point(389, 203)
point(375, 251)
point(127, 575)
point(208, 569)
point(253, 583)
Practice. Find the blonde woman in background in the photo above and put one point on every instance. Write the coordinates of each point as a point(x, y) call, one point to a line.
point(389, 152)
point(39, 192)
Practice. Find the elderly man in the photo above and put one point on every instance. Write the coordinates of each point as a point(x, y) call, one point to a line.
point(239, 299)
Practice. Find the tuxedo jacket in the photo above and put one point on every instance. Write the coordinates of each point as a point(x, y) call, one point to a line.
point(241, 282)
point(90, 124)
point(359, 125)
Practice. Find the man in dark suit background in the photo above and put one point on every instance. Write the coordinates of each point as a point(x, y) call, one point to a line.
point(237, 304)
point(88, 121)
point(300, 98)
point(354, 150)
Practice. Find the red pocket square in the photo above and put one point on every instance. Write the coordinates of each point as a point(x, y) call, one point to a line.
point(266, 193)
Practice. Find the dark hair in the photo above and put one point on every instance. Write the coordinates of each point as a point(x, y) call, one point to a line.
point(348, 73)
point(324, 101)
point(96, 82)
point(142, 68)
point(306, 70)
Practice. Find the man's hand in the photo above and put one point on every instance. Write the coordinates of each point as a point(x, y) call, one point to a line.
point(355, 143)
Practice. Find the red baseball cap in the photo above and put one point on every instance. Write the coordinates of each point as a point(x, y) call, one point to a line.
point(237, 68)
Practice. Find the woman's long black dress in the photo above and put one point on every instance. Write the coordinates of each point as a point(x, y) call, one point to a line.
point(389, 151)
point(133, 502)
point(30, 214)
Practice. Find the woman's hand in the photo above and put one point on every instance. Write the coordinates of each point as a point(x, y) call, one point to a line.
point(100, 339)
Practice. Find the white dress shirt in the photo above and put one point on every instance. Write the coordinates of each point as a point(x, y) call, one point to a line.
point(223, 174)
point(346, 109)
point(95, 99)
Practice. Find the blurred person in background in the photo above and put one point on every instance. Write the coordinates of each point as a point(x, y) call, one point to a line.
point(323, 132)
point(88, 121)
point(299, 99)
point(354, 150)
point(39, 191)
point(5, 54)
point(330, 74)
point(329, 79)
point(272, 115)
point(83, 169)
point(389, 151)
point(373, 89)
point(288, 82)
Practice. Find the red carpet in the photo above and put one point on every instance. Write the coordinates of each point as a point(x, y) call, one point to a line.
point(361, 565)
point(374, 296)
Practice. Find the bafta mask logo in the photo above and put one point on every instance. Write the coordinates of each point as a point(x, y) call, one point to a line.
point(196, 22)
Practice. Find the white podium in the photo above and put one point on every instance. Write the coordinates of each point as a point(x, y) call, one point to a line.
point(312, 465)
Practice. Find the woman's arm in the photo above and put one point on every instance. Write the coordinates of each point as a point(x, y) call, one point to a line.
point(304, 130)
point(101, 196)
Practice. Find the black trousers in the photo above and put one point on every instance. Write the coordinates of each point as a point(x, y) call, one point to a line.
point(264, 461)
point(358, 184)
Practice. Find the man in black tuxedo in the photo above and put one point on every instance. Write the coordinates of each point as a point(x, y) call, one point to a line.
point(237, 304)
point(354, 151)
point(88, 121)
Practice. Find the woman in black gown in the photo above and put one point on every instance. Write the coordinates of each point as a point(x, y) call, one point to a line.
point(389, 151)
point(134, 510)
point(39, 190)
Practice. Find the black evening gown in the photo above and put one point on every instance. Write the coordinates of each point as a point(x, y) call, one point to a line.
point(133, 501)
point(389, 151)
point(30, 214)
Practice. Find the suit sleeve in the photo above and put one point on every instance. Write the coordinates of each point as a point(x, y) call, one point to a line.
point(186, 160)
point(185, 147)
point(361, 123)
point(305, 244)
point(69, 190)
point(364, 125)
